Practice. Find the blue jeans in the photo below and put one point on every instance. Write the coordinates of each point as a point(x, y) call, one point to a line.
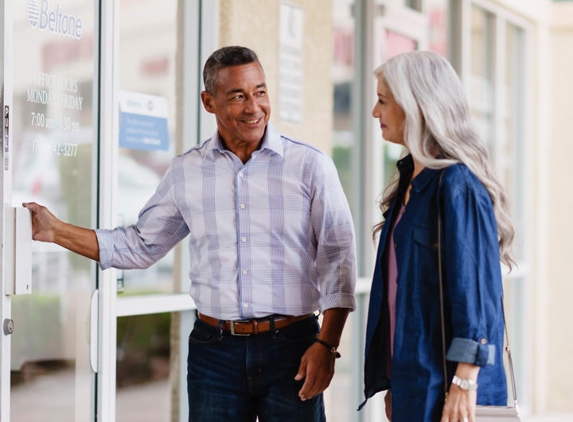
point(238, 379)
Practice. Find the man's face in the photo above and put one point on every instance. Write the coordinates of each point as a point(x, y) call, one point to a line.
point(241, 104)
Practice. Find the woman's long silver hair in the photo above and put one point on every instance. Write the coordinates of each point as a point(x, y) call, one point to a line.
point(438, 122)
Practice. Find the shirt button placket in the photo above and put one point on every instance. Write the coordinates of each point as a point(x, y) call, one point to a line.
point(245, 298)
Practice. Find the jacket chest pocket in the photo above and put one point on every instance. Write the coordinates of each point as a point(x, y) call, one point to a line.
point(426, 252)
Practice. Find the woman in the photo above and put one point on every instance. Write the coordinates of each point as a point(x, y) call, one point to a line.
point(445, 174)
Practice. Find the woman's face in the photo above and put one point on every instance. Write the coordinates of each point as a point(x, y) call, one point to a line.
point(390, 115)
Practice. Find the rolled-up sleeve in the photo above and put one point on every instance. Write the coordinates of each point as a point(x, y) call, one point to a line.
point(158, 229)
point(469, 351)
point(472, 269)
point(334, 230)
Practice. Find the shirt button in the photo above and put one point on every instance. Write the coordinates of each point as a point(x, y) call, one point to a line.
point(242, 206)
point(244, 272)
point(245, 305)
point(483, 341)
point(395, 245)
point(243, 239)
point(241, 175)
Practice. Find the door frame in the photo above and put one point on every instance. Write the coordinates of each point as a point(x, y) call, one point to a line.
point(202, 14)
point(6, 70)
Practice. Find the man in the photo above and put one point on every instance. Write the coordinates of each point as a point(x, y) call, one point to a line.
point(271, 242)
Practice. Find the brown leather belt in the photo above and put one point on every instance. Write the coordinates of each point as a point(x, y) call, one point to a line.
point(253, 326)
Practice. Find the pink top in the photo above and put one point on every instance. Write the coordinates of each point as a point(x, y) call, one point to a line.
point(391, 275)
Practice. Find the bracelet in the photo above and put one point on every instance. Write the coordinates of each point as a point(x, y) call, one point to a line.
point(330, 348)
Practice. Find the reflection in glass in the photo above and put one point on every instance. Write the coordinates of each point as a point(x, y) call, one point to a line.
point(53, 131)
point(147, 59)
point(144, 392)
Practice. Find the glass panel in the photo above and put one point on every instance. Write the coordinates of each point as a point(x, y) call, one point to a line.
point(54, 134)
point(437, 11)
point(345, 151)
point(344, 394)
point(338, 402)
point(147, 54)
point(513, 113)
point(145, 377)
point(343, 140)
point(481, 78)
point(394, 44)
point(397, 43)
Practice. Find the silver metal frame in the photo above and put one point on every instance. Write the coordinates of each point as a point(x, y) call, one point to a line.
point(6, 43)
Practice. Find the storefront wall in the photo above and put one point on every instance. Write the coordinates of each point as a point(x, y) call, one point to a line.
point(558, 340)
point(299, 43)
point(532, 164)
point(265, 26)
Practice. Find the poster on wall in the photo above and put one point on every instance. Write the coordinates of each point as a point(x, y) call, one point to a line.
point(291, 63)
point(143, 121)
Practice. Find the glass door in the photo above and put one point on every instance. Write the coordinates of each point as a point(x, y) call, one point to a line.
point(158, 73)
point(49, 153)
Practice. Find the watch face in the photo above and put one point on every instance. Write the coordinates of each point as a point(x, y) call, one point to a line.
point(464, 384)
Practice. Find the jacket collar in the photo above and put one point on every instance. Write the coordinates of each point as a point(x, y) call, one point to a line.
point(419, 183)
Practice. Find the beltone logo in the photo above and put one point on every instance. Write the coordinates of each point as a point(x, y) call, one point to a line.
point(43, 17)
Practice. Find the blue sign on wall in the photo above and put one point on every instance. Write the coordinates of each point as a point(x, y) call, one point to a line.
point(143, 121)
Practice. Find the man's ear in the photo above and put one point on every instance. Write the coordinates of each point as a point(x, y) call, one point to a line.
point(208, 101)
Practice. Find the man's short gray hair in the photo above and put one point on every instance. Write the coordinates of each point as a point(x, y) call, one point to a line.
point(225, 57)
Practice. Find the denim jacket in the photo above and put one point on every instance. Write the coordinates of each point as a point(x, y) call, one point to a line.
point(472, 295)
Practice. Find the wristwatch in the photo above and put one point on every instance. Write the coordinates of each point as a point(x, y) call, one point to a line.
point(465, 383)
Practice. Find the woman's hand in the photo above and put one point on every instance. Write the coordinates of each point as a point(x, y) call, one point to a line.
point(460, 405)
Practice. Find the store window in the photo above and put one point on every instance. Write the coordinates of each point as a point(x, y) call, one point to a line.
point(157, 63)
point(147, 96)
point(54, 138)
point(513, 113)
point(482, 74)
point(343, 74)
point(496, 82)
point(365, 33)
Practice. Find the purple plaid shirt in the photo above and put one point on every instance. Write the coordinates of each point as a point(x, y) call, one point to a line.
point(274, 235)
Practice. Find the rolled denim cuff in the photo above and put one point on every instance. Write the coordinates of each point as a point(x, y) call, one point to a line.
point(469, 351)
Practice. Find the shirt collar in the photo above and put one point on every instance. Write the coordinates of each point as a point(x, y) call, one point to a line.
point(271, 140)
point(406, 167)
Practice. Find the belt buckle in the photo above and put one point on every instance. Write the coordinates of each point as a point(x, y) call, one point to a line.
point(233, 333)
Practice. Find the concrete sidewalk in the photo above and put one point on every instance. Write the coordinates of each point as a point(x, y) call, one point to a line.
point(50, 398)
